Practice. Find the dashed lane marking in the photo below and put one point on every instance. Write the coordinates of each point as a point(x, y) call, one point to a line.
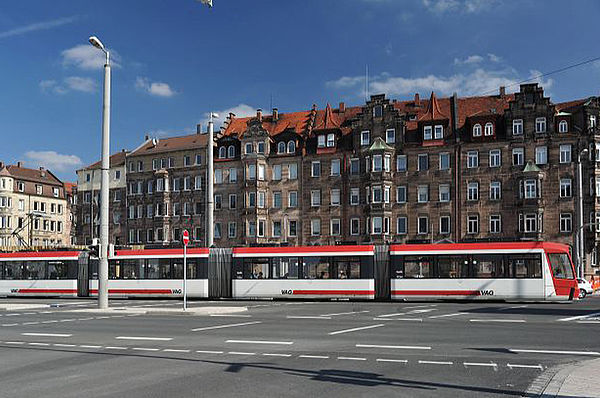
point(499, 320)
point(436, 362)
point(145, 349)
point(399, 319)
point(266, 354)
point(314, 356)
point(63, 345)
point(488, 364)
point(116, 348)
point(307, 317)
point(241, 353)
point(446, 315)
point(47, 334)
point(591, 353)
point(573, 318)
point(352, 358)
point(259, 342)
point(514, 365)
point(346, 313)
point(391, 360)
point(144, 338)
point(208, 352)
point(394, 347)
point(231, 325)
point(174, 350)
point(356, 329)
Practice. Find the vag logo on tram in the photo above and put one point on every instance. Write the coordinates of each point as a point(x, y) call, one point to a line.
point(486, 292)
point(287, 291)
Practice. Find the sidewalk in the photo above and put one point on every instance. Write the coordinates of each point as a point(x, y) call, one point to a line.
point(578, 380)
point(195, 310)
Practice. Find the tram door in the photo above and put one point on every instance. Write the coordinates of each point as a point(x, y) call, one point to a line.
point(219, 273)
point(382, 273)
point(83, 279)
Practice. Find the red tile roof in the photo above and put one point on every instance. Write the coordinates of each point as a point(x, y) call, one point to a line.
point(69, 187)
point(192, 141)
point(36, 175)
point(116, 159)
point(433, 111)
point(565, 106)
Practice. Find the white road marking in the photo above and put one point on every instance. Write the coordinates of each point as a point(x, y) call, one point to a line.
point(63, 345)
point(241, 353)
point(30, 323)
point(144, 338)
point(307, 317)
point(356, 329)
point(314, 356)
point(231, 325)
point(12, 314)
point(86, 319)
point(14, 342)
point(489, 364)
point(277, 355)
point(422, 311)
point(29, 313)
point(436, 363)
point(9, 324)
point(209, 352)
point(594, 353)
point(259, 342)
point(39, 344)
point(174, 350)
point(231, 315)
point(145, 349)
point(90, 346)
point(575, 317)
point(391, 360)
point(352, 358)
point(47, 334)
point(399, 319)
point(397, 347)
point(588, 322)
point(346, 313)
point(421, 306)
point(540, 367)
point(499, 320)
point(388, 315)
point(111, 347)
point(512, 308)
point(447, 315)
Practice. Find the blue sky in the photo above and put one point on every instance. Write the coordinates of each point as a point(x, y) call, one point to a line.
point(176, 60)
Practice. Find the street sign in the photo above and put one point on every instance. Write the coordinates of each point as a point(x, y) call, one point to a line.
point(186, 237)
point(186, 240)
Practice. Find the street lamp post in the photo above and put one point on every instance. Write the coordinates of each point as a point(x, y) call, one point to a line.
point(210, 180)
point(103, 249)
point(579, 235)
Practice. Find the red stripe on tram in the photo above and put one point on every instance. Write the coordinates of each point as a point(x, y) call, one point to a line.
point(138, 291)
point(47, 291)
point(339, 292)
point(436, 292)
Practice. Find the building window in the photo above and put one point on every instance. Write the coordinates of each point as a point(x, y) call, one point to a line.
point(473, 224)
point(473, 191)
point(444, 225)
point(117, 175)
point(197, 183)
point(427, 133)
point(423, 225)
point(315, 169)
point(218, 179)
point(276, 172)
point(477, 130)
point(261, 199)
point(423, 162)
point(335, 197)
point(281, 147)
point(377, 163)
point(495, 224)
point(354, 166)
point(335, 167)
point(293, 199)
point(315, 227)
point(401, 163)
point(232, 175)
point(377, 226)
point(276, 229)
point(218, 204)
point(291, 147)
point(518, 156)
point(293, 171)
point(529, 189)
point(365, 138)
point(293, 228)
point(529, 222)
point(472, 159)
point(489, 129)
point(261, 172)
point(444, 193)
point(249, 148)
point(495, 158)
point(261, 228)
point(541, 155)
point(495, 190)
point(563, 126)
point(592, 121)
point(377, 194)
point(386, 163)
point(377, 111)
point(251, 199)
point(438, 132)
point(354, 226)
point(423, 193)
point(354, 196)
point(198, 159)
point(401, 225)
point(260, 148)
point(565, 188)
point(231, 229)
point(390, 136)
point(540, 125)
point(566, 222)
point(335, 227)
point(277, 200)
point(315, 198)
point(444, 161)
point(330, 140)
point(251, 229)
point(565, 153)
point(321, 141)
point(517, 127)
point(400, 194)
point(232, 201)
point(251, 172)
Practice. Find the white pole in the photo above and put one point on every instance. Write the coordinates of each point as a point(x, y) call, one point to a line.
point(103, 252)
point(210, 228)
point(580, 249)
point(184, 277)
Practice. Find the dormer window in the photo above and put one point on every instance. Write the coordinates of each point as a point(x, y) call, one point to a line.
point(439, 132)
point(477, 130)
point(281, 147)
point(222, 152)
point(427, 133)
point(489, 129)
point(390, 136)
point(563, 126)
point(330, 140)
point(540, 125)
point(321, 141)
point(249, 148)
point(365, 138)
point(291, 147)
point(378, 111)
point(231, 151)
point(261, 147)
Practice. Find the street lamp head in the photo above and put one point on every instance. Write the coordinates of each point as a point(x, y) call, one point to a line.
point(94, 41)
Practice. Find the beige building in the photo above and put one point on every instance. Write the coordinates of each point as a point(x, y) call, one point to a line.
point(33, 208)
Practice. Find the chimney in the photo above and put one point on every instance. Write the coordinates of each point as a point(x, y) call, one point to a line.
point(342, 107)
point(146, 137)
point(19, 164)
point(417, 100)
point(199, 128)
point(275, 114)
point(502, 91)
point(259, 114)
point(1, 164)
point(42, 171)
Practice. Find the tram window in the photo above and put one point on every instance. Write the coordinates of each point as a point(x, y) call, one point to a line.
point(131, 269)
point(315, 268)
point(525, 266)
point(114, 269)
point(13, 270)
point(561, 266)
point(35, 270)
point(486, 266)
point(347, 268)
point(256, 268)
point(449, 266)
point(158, 269)
point(178, 269)
point(58, 270)
point(285, 267)
point(418, 267)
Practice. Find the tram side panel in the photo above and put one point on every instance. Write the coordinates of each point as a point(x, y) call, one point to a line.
point(43, 276)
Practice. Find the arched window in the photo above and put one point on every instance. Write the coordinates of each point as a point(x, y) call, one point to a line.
point(477, 130)
point(489, 129)
point(222, 152)
point(231, 151)
point(281, 147)
point(291, 147)
point(563, 126)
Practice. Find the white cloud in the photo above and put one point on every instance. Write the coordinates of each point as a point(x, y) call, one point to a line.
point(71, 83)
point(478, 82)
point(494, 58)
point(158, 89)
point(471, 59)
point(468, 6)
point(37, 26)
point(84, 56)
point(53, 161)
point(241, 110)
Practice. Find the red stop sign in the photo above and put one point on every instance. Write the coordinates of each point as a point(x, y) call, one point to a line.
point(186, 237)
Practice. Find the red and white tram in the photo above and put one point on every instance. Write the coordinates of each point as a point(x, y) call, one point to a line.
point(505, 271)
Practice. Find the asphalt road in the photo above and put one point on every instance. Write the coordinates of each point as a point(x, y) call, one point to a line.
point(52, 348)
